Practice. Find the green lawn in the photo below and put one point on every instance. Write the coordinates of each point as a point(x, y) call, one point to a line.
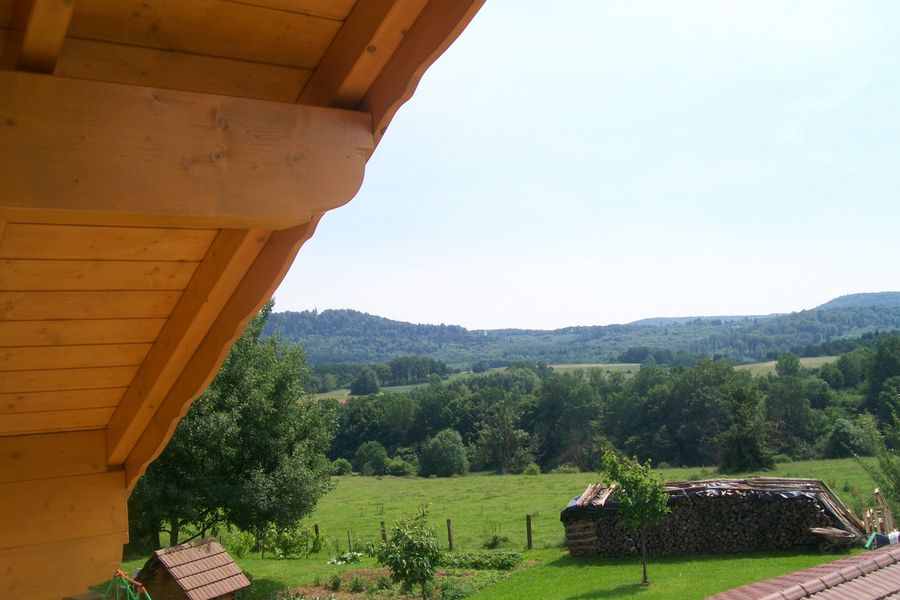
point(482, 505)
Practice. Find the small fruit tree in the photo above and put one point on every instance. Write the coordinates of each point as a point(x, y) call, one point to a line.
point(412, 552)
point(642, 496)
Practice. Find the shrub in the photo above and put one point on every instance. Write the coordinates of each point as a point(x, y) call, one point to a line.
point(356, 585)
point(443, 455)
point(495, 539)
point(334, 584)
point(371, 459)
point(241, 544)
point(451, 591)
point(400, 468)
point(412, 553)
point(480, 561)
point(565, 469)
point(532, 469)
point(345, 558)
point(341, 466)
point(289, 542)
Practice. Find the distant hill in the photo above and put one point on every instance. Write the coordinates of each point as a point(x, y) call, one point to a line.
point(348, 336)
point(863, 301)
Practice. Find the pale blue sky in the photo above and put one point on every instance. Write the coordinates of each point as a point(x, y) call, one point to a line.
point(581, 163)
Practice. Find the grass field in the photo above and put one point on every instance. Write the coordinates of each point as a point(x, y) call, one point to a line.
point(765, 368)
point(481, 506)
point(627, 368)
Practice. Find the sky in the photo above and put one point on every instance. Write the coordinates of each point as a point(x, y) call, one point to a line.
point(588, 163)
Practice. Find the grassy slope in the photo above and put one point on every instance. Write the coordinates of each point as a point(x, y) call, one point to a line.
point(765, 368)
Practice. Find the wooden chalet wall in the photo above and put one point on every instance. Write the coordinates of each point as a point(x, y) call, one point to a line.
point(161, 164)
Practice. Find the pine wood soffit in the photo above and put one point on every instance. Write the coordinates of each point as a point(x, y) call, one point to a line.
point(251, 293)
point(38, 31)
point(119, 154)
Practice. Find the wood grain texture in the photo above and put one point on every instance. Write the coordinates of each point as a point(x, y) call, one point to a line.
point(64, 242)
point(209, 28)
point(329, 9)
point(229, 257)
point(109, 148)
point(439, 24)
point(54, 421)
point(103, 61)
point(50, 380)
point(30, 275)
point(36, 306)
point(79, 332)
point(72, 357)
point(26, 457)
point(60, 400)
point(39, 30)
point(251, 294)
point(64, 508)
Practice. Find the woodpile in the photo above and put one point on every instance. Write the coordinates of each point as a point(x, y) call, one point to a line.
point(711, 517)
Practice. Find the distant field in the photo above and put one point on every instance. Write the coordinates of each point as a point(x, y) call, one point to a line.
point(627, 368)
point(764, 368)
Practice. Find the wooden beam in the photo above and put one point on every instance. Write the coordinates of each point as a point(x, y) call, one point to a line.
point(439, 24)
point(254, 290)
point(38, 31)
point(25, 457)
point(229, 257)
point(106, 151)
point(362, 47)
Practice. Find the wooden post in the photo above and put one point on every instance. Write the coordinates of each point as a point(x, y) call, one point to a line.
point(449, 536)
point(316, 530)
point(528, 529)
point(383, 533)
point(349, 542)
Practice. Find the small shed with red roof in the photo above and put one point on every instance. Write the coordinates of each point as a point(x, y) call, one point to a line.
point(198, 570)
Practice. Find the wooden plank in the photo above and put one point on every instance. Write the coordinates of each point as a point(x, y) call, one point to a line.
point(439, 24)
point(36, 306)
point(6, 12)
point(27, 457)
point(54, 421)
point(49, 380)
point(26, 240)
point(254, 290)
point(64, 508)
point(78, 332)
point(39, 28)
point(229, 257)
point(87, 561)
point(60, 400)
point(208, 27)
point(102, 148)
point(328, 9)
point(23, 275)
point(102, 61)
point(72, 357)
point(360, 50)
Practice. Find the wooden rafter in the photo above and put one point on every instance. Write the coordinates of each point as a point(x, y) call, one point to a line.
point(254, 290)
point(360, 50)
point(39, 29)
point(229, 257)
point(118, 154)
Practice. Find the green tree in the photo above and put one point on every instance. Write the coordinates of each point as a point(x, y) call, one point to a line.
point(371, 459)
point(886, 472)
point(745, 445)
point(366, 382)
point(412, 553)
point(642, 497)
point(788, 365)
point(501, 440)
point(250, 451)
point(443, 455)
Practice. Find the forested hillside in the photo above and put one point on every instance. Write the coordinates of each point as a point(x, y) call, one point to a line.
point(347, 336)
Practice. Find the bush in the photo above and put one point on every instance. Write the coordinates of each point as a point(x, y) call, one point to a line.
point(451, 591)
point(356, 585)
point(565, 469)
point(412, 553)
point(496, 538)
point(341, 466)
point(334, 584)
point(443, 455)
point(400, 468)
point(531, 469)
point(345, 558)
point(371, 459)
point(289, 542)
point(481, 561)
point(241, 544)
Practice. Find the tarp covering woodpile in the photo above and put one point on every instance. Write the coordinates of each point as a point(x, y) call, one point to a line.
point(711, 516)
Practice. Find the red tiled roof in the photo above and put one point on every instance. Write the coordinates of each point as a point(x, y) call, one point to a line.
point(866, 576)
point(202, 569)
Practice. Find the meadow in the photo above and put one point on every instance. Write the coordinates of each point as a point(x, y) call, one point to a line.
point(486, 508)
point(768, 367)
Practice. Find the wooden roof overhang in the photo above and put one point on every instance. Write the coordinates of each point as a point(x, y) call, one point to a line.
point(161, 163)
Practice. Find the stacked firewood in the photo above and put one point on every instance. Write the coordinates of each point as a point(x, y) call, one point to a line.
point(732, 520)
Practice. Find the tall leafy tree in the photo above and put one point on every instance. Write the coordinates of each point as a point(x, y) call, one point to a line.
point(251, 450)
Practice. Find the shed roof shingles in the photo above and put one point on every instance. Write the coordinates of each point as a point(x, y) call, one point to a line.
point(202, 569)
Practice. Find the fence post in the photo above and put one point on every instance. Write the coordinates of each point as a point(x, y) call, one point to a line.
point(528, 529)
point(316, 530)
point(383, 533)
point(449, 536)
point(349, 542)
